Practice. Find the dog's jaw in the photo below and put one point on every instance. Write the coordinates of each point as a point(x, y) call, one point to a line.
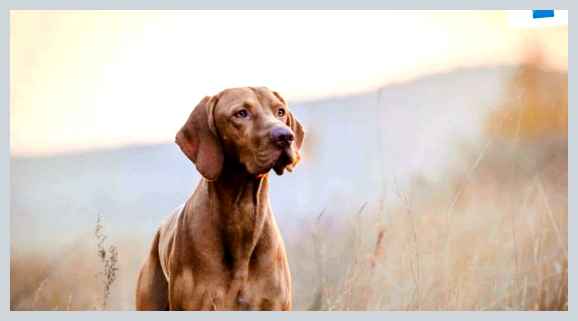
point(286, 161)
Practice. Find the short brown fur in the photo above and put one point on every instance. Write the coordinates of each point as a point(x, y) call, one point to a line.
point(222, 249)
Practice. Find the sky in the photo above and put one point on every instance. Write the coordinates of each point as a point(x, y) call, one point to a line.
point(82, 80)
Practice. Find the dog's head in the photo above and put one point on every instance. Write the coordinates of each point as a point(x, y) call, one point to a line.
point(251, 127)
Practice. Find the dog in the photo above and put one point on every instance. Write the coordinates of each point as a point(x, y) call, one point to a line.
point(222, 250)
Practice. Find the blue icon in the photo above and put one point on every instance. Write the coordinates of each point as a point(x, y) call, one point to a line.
point(538, 14)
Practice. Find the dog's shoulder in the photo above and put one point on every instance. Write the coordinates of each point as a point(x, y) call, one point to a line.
point(169, 223)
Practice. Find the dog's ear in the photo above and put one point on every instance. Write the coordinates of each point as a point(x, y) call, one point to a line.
point(293, 123)
point(297, 129)
point(199, 141)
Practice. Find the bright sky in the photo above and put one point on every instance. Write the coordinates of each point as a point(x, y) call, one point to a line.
point(89, 79)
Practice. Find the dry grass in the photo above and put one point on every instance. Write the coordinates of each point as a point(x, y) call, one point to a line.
point(79, 277)
point(490, 235)
point(486, 240)
point(108, 259)
point(492, 238)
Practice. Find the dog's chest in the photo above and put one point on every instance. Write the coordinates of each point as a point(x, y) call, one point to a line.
point(264, 291)
point(243, 229)
point(262, 281)
point(261, 289)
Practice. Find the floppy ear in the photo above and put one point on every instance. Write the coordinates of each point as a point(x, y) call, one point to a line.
point(293, 123)
point(297, 129)
point(199, 142)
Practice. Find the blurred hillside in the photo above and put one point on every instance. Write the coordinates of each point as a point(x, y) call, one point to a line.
point(447, 192)
point(534, 109)
point(492, 236)
point(355, 147)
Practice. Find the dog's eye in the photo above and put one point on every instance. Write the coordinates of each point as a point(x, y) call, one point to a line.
point(243, 113)
point(280, 112)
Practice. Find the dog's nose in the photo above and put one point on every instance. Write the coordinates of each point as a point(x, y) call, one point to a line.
point(282, 136)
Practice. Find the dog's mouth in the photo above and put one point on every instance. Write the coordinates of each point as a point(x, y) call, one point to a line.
point(285, 160)
point(277, 159)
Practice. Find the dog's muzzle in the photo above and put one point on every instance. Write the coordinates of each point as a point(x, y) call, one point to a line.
point(282, 137)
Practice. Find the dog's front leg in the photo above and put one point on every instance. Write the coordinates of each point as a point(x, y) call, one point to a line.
point(197, 294)
point(237, 292)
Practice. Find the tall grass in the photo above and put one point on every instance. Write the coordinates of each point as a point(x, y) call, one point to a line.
point(79, 277)
point(490, 234)
point(487, 237)
point(491, 238)
point(109, 260)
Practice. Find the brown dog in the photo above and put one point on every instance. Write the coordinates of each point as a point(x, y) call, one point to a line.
point(222, 249)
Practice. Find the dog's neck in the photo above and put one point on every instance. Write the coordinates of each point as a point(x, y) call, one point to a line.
point(243, 210)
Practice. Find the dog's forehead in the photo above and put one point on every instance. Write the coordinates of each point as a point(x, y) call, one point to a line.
point(251, 95)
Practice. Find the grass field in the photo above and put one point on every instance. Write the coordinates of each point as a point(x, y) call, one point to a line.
point(491, 233)
point(483, 240)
